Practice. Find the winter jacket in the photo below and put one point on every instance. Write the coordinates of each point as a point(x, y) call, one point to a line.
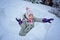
point(26, 26)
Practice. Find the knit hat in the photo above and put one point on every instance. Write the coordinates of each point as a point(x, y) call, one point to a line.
point(28, 10)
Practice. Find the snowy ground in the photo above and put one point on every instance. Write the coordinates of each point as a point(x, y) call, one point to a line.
point(9, 28)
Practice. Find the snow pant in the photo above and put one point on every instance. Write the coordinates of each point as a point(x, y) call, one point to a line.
point(25, 28)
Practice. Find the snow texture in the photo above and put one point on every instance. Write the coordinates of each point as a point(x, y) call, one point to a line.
point(9, 28)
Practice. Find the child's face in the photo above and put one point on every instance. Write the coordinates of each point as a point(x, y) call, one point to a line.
point(30, 16)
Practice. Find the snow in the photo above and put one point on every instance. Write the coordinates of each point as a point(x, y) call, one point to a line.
point(9, 28)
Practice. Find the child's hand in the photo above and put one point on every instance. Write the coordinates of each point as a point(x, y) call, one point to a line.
point(47, 20)
point(19, 21)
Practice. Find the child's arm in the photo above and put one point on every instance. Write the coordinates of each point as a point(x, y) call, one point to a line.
point(37, 19)
point(44, 20)
point(24, 16)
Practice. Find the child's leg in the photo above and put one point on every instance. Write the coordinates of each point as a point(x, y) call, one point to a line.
point(25, 31)
point(23, 27)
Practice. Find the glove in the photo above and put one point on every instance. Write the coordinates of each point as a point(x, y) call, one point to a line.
point(47, 20)
point(19, 21)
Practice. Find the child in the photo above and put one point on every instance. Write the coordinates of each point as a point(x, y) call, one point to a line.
point(27, 23)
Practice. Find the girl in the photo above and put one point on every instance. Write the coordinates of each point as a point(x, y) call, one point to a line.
point(27, 23)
